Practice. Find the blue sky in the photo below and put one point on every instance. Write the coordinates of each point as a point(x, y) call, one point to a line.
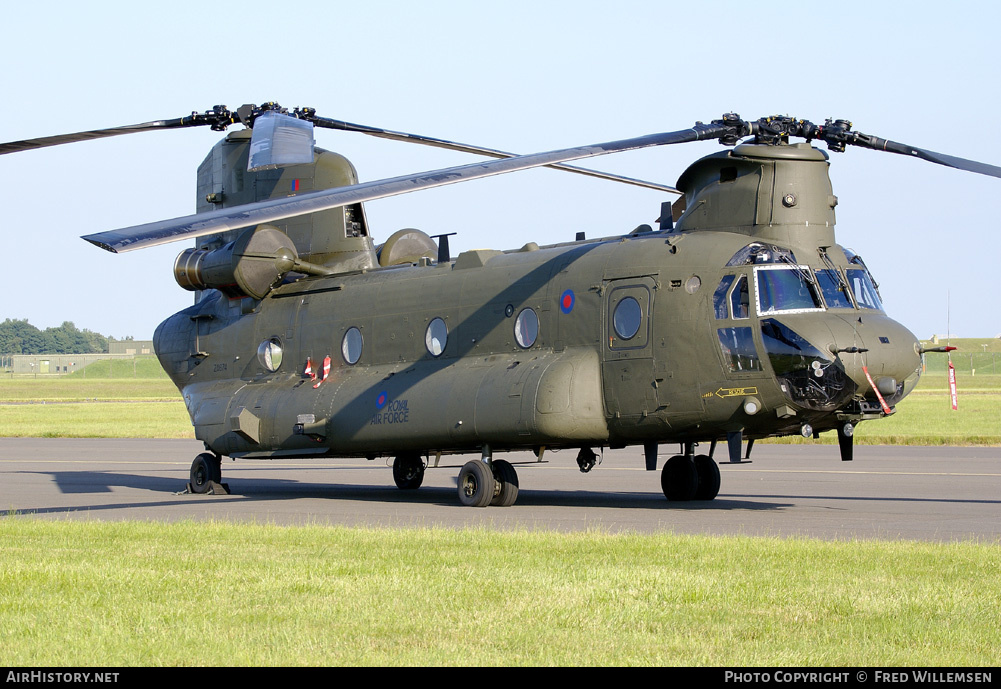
point(519, 76)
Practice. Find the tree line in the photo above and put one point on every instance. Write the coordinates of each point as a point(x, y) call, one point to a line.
point(21, 337)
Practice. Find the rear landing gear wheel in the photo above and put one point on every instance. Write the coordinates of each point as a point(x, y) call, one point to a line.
point(408, 471)
point(506, 478)
point(206, 468)
point(679, 479)
point(708, 473)
point(476, 484)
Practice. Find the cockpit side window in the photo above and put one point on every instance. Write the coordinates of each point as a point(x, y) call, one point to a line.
point(737, 345)
point(863, 284)
point(719, 297)
point(740, 299)
point(864, 289)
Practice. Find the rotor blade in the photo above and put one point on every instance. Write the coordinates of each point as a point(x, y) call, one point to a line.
point(212, 222)
point(940, 158)
point(29, 144)
point(837, 133)
point(219, 118)
point(327, 123)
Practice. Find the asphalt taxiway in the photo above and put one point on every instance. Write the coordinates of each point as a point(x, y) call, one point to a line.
point(918, 493)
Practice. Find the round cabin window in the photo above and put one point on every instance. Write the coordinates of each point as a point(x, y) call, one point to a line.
point(351, 345)
point(436, 337)
point(270, 354)
point(526, 328)
point(627, 318)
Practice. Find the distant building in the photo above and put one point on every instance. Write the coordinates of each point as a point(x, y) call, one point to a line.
point(53, 363)
point(19, 364)
point(130, 346)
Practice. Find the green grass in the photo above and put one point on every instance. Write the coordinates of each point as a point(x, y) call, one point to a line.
point(68, 389)
point(148, 419)
point(88, 593)
point(139, 367)
point(76, 407)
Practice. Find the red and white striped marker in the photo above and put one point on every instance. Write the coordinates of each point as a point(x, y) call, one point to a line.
point(326, 371)
point(952, 386)
point(882, 402)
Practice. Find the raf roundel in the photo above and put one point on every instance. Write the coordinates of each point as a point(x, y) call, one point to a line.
point(381, 400)
point(567, 300)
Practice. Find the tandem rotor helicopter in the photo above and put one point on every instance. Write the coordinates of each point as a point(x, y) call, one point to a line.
point(738, 317)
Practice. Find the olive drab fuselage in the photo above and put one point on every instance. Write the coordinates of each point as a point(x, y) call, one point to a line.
point(744, 317)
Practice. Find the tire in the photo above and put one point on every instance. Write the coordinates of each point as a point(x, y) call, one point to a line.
point(679, 480)
point(476, 484)
point(205, 469)
point(507, 484)
point(408, 471)
point(708, 473)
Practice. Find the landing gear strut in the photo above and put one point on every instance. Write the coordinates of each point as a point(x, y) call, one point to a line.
point(687, 477)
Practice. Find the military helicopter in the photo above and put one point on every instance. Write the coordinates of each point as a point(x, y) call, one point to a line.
point(738, 317)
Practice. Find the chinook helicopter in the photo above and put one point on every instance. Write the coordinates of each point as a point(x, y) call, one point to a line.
point(738, 317)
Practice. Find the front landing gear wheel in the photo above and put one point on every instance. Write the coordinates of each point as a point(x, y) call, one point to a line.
point(206, 469)
point(476, 484)
point(506, 490)
point(408, 471)
point(679, 479)
point(708, 473)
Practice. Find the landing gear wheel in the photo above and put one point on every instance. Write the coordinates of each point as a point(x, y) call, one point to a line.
point(708, 473)
point(408, 471)
point(679, 479)
point(206, 468)
point(506, 478)
point(476, 484)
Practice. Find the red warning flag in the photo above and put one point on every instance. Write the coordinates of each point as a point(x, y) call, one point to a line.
point(952, 386)
point(326, 371)
point(882, 402)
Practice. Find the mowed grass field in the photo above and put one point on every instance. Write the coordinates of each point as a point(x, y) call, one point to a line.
point(204, 593)
point(107, 399)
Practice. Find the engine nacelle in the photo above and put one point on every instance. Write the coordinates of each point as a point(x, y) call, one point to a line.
point(249, 266)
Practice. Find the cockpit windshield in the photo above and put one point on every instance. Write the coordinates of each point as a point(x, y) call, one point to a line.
point(786, 289)
point(834, 290)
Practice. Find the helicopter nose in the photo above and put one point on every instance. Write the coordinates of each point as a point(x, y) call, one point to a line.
point(877, 352)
